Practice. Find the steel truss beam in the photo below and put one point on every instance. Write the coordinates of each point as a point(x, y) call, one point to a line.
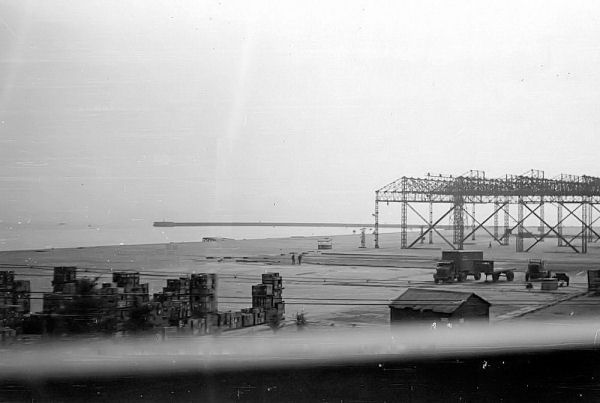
point(551, 229)
point(431, 227)
point(474, 188)
point(595, 208)
point(483, 190)
point(585, 225)
point(481, 224)
point(519, 221)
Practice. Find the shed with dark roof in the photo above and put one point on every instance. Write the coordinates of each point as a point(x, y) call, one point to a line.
point(419, 305)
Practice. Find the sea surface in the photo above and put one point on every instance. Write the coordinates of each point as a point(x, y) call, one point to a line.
point(28, 235)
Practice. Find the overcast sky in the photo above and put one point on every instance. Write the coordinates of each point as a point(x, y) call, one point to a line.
point(193, 110)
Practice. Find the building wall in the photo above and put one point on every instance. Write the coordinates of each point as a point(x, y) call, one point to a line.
point(411, 316)
point(594, 280)
point(472, 310)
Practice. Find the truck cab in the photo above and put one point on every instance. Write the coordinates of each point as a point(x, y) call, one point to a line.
point(536, 270)
point(444, 271)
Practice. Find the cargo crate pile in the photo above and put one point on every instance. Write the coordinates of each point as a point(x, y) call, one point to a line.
point(14, 303)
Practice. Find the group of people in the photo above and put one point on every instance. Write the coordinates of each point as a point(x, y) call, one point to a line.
point(294, 258)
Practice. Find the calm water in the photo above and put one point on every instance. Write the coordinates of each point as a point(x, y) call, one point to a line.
point(15, 236)
point(20, 236)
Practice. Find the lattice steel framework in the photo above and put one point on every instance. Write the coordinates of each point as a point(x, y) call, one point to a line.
point(578, 196)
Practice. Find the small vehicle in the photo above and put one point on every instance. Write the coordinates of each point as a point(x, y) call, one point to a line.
point(536, 270)
point(562, 278)
point(487, 267)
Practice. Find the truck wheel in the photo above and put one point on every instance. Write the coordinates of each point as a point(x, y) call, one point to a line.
point(477, 276)
point(510, 276)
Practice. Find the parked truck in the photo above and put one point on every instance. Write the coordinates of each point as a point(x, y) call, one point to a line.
point(536, 270)
point(458, 265)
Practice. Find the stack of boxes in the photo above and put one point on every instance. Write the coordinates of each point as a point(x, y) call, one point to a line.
point(268, 298)
point(203, 302)
point(230, 320)
point(124, 294)
point(136, 294)
point(14, 300)
point(191, 303)
point(112, 299)
point(203, 294)
point(7, 335)
point(188, 303)
point(64, 287)
point(253, 316)
point(21, 296)
point(117, 299)
point(7, 279)
point(173, 304)
point(64, 276)
point(248, 317)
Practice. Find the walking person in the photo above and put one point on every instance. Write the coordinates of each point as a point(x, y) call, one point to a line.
point(293, 258)
point(299, 259)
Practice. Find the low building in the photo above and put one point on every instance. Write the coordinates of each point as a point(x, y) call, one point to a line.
point(419, 305)
point(594, 281)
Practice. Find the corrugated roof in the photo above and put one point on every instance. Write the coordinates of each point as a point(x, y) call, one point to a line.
point(443, 301)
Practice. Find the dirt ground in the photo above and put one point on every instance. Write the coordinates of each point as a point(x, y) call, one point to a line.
point(347, 286)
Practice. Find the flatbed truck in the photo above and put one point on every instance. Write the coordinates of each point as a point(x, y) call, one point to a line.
point(458, 265)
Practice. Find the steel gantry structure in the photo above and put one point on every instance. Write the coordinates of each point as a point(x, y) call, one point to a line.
point(577, 196)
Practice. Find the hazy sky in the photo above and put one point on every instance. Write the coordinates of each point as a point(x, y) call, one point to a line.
point(192, 110)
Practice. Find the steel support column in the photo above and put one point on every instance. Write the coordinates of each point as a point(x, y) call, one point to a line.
point(496, 208)
point(596, 219)
point(559, 214)
point(595, 208)
point(519, 242)
point(542, 228)
point(430, 220)
point(591, 222)
point(473, 222)
point(585, 225)
point(403, 239)
point(459, 224)
point(376, 215)
point(506, 236)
